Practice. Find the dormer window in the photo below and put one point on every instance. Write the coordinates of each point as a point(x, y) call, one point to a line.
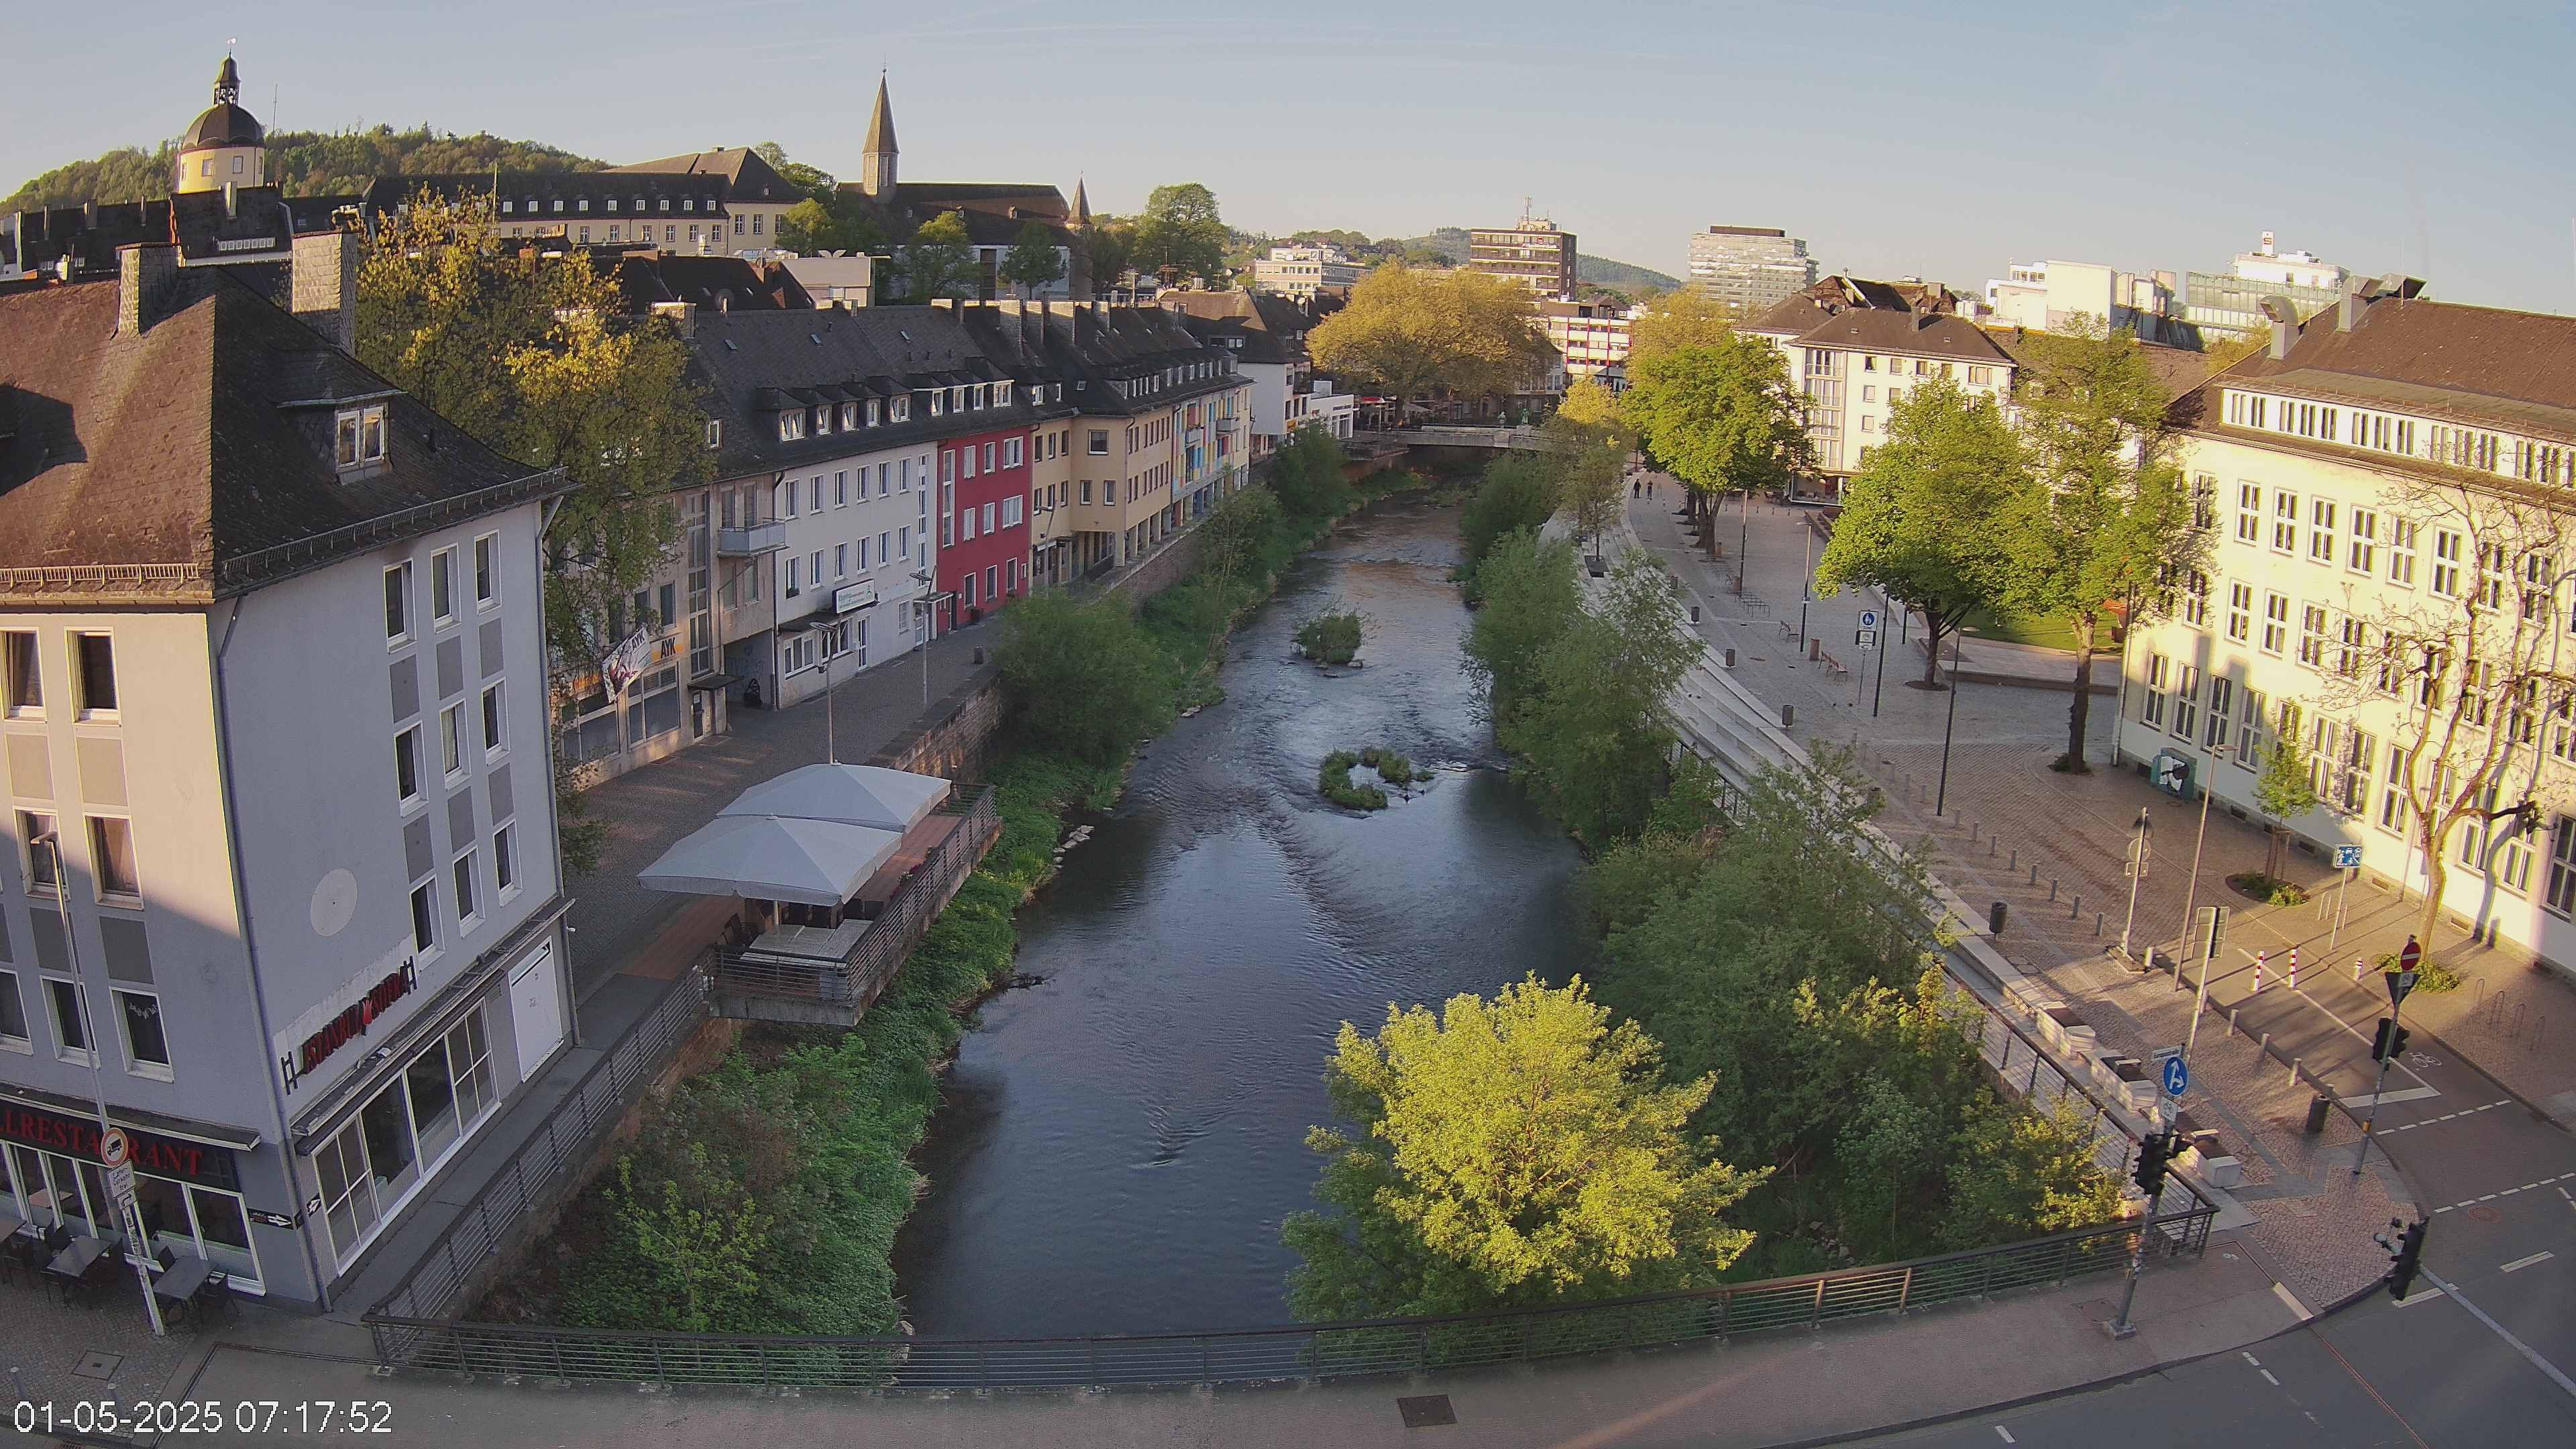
point(872, 412)
point(903, 408)
point(1001, 394)
point(666, 203)
point(360, 437)
point(975, 397)
point(639, 203)
point(582, 205)
point(715, 432)
point(609, 205)
point(823, 420)
point(505, 206)
point(791, 425)
point(849, 416)
point(688, 203)
point(936, 399)
point(558, 205)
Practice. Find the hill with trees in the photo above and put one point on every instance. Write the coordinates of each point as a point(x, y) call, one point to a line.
point(306, 163)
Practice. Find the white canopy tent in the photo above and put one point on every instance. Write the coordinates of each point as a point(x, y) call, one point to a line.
point(869, 795)
point(766, 857)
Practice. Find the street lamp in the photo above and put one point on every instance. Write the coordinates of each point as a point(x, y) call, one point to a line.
point(2191, 886)
point(1958, 651)
point(927, 601)
point(2138, 873)
point(132, 1216)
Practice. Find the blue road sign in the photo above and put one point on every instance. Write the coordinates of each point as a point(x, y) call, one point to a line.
point(2177, 1076)
point(2347, 857)
point(1869, 618)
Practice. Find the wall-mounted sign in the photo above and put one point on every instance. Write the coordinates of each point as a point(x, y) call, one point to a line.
point(2172, 773)
point(849, 597)
point(350, 1024)
point(155, 1155)
point(267, 1219)
point(627, 661)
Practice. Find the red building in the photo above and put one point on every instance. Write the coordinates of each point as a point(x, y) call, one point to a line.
point(983, 557)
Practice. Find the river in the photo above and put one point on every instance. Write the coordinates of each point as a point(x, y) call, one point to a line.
point(1119, 1144)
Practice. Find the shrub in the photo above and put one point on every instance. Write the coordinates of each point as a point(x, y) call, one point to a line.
point(2430, 975)
point(1082, 678)
point(1334, 779)
point(1519, 492)
point(2268, 888)
point(1332, 638)
point(1391, 767)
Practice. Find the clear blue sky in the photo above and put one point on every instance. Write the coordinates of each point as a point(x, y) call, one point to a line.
point(1935, 139)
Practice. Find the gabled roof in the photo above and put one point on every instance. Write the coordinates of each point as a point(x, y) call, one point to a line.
point(747, 176)
point(193, 460)
point(648, 276)
point(2481, 365)
point(1272, 328)
point(1913, 318)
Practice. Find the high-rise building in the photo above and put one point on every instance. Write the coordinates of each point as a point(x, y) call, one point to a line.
point(1748, 270)
point(1534, 254)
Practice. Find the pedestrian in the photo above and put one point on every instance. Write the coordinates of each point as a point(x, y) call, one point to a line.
point(2258, 973)
point(1635, 488)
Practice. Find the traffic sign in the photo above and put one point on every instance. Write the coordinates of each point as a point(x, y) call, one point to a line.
point(1867, 639)
point(113, 1149)
point(120, 1182)
point(2177, 1076)
point(1869, 618)
point(2410, 957)
point(2347, 857)
point(2399, 983)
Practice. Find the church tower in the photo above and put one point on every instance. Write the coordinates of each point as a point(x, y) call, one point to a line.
point(224, 146)
point(877, 158)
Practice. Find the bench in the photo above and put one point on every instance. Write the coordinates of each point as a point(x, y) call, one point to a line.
point(1786, 632)
point(1830, 662)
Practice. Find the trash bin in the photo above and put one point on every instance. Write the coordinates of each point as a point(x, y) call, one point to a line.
point(1730, 659)
point(2318, 1106)
point(1995, 919)
point(1694, 613)
point(979, 653)
point(1788, 716)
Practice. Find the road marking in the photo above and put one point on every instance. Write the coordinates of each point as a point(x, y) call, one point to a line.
point(2518, 1264)
point(2418, 1296)
point(2445, 1117)
point(2545, 1366)
point(2267, 1378)
point(2510, 1191)
point(2007, 1434)
point(2390, 1099)
point(2282, 1292)
point(2249, 1358)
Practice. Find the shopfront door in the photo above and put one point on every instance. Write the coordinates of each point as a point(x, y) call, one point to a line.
point(536, 1010)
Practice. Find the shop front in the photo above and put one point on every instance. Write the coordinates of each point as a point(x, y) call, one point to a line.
point(187, 1179)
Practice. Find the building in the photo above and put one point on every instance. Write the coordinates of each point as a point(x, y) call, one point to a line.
point(1748, 270)
point(1592, 337)
point(2373, 489)
point(273, 718)
point(994, 214)
point(1533, 254)
point(1300, 270)
point(1267, 336)
point(2230, 303)
point(1856, 347)
point(2048, 297)
point(983, 554)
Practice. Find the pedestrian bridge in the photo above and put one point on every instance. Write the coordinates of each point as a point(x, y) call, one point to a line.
point(1520, 439)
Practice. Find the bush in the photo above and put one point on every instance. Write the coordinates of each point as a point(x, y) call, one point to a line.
point(2270, 889)
point(1519, 492)
point(1306, 473)
point(2430, 975)
point(1332, 638)
point(1082, 679)
point(1334, 779)
point(1391, 767)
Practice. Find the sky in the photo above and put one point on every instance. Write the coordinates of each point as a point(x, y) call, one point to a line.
point(1939, 140)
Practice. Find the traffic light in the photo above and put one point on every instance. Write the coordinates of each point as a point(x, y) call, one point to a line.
point(2405, 1255)
point(2155, 1155)
point(2390, 1043)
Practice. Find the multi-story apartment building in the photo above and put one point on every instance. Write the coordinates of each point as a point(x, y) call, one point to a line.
point(1592, 336)
point(2048, 296)
point(1532, 254)
point(273, 702)
point(1856, 347)
point(984, 497)
point(2385, 498)
point(1299, 270)
point(2230, 303)
point(1747, 270)
point(1267, 336)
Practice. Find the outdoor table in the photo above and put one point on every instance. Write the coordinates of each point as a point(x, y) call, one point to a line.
point(807, 943)
point(180, 1281)
point(71, 1263)
point(10, 1223)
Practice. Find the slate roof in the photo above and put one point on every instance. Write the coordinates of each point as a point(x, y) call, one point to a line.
point(2508, 370)
point(648, 276)
point(746, 175)
point(193, 460)
point(1273, 328)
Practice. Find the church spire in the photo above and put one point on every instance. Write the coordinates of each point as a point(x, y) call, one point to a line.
point(1080, 216)
point(877, 154)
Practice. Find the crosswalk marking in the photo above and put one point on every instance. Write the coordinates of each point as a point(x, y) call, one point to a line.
point(2510, 1191)
point(2518, 1264)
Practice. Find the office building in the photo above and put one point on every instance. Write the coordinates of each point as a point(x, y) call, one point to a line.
point(1856, 348)
point(1747, 270)
point(1534, 255)
point(2230, 303)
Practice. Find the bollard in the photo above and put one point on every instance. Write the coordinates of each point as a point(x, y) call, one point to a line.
point(2318, 1106)
point(1995, 919)
point(2097, 928)
point(979, 653)
point(1815, 647)
point(1788, 716)
point(2265, 1045)
point(1694, 613)
point(2294, 968)
point(2015, 862)
point(2258, 973)
point(2052, 888)
point(2076, 911)
point(2034, 872)
point(2356, 971)
point(2294, 1070)
point(1990, 847)
point(2231, 1020)
point(1730, 659)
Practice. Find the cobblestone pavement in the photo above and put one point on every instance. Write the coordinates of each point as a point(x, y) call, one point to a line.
point(2052, 849)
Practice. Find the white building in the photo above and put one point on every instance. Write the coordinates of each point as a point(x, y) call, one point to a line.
point(1591, 336)
point(2048, 296)
point(1337, 413)
point(1300, 270)
point(2230, 303)
point(1747, 270)
point(1856, 347)
point(2383, 496)
point(273, 719)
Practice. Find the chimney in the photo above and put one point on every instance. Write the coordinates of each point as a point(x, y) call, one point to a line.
point(147, 277)
point(323, 288)
point(2285, 325)
point(232, 201)
point(2348, 315)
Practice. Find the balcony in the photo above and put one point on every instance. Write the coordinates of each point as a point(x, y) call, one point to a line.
point(749, 542)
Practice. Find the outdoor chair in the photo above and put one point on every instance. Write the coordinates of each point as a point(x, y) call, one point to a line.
point(214, 1296)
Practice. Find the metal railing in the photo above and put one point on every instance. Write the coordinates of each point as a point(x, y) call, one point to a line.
point(880, 950)
point(1298, 1351)
point(541, 1172)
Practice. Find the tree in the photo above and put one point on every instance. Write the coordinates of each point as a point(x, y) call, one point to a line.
point(2225, 352)
point(1180, 228)
point(1082, 678)
point(1033, 261)
point(1677, 320)
point(1593, 736)
point(831, 224)
point(1589, 446)
point(1518, 492)
point(939, 261)
point(1722, 417)
point(1411, 334)
point(1918, 519)
point(2016, 1173)
point(2282, 788)
point(1531, 598)
point(813, 181)
point(1232, 539)
point(1109, 249)
point(2110, 524)
point(1508, 1153)
point(1306, 474)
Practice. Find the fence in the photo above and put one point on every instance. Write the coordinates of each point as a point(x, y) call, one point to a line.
point(541, 1172)
point(880, 950)
point(1303, 1351)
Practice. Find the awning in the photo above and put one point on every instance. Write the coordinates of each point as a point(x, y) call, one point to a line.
point(812, 862)
point(867, 795)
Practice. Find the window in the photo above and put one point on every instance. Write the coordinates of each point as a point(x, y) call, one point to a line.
point(2401, 552)
point(2158, 680)
point(442, 586)
point(840, 560)
point(13, 1013)
point(495, 732)
point(2363, 555)
point(487, 581)
point(2393, 805)
point(94, 663)
point(2276, 622)
point(358, 437)
point(2339, 760)
point(468, 903)
point(1099, 442)
point(841, 488)
point(111, 854)
point(793, 586)
point(42, 860)
point(2321, 530)
point(424, 917)
point(2561, 896)
point(2204, 501)
point(1086, 490)
point(2285, 521)
point(407, 764)
point(2240, 612)
point(2312, 636)
point(505, 861)
point(2222, 706)
point(71, 1021)
point(26, 677)
point(2195, 599)
point(715, 426)
point(451, 739)
point(988, 457)
point(814, 568)
point(791, 425)
point(2251, 732)
point(988, 518)
point(147, 1049)
point(2352, 647)
point(2249, 513)
point(966, 463)
point(2447, 556)
point(398, 604)
point(2187, 702)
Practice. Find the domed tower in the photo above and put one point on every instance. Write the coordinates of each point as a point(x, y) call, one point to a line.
point(224, 145)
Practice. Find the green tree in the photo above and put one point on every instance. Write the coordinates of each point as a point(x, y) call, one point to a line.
point(1518, 492)
point(2283, 790)
point(832, 224)
point(1412, 334)
point(1109, 251)
point(1306, 474)
point(706, 1250)
point(939, 261)
point(1180, 228)
point(1082, 678)
point(1677, 320)
point(1722, 417)
point(813, 181)
point(1592, 739)
point(1033, 261)
point(2111, 522)
point(1531, 597)
point(2015, 1173)
point(1589, 443)
point(1514, 1152)
point(1918, 519)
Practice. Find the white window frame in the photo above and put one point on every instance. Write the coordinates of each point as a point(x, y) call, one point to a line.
point(398, 585)
point(487, 571)
point(135, 1062)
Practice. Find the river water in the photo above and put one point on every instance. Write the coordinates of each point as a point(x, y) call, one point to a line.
point(1120, 1143)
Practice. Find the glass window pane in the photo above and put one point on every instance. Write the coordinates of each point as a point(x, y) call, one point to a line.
point(433, 1101)
point(393, 1157)
point(97, 671)
point(69, 1029)
point(143, 1038)
point(111, 850)
point(13, 1009)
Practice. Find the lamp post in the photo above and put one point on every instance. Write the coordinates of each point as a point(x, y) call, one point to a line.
point(2191, 886)
point(2138, 874)
point(132, 1218)
point(1941, 799)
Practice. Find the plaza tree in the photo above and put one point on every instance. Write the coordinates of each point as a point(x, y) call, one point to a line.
point(1588, 443)
point(1508, 1153)
point(1412, 334)
point(1033, 261)
point(1723, 417)
point(1918, 519)
point(1673, 321)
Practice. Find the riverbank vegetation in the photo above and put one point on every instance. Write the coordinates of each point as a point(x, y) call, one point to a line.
point(1332, 637)
point(1334, 778)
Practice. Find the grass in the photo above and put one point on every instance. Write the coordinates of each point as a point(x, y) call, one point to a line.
point(2048, 633)
point(1334, 779)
